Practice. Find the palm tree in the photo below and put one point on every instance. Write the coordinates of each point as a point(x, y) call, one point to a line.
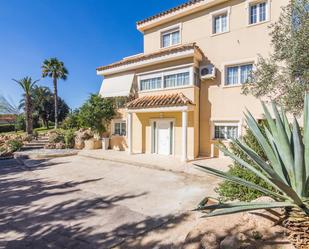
point(27, 85)
point(56, 70)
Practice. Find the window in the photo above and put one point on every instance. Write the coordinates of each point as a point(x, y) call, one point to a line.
point(220, 23)
point(149, 84)
point(236, 75)
point(226, 131)
point(258, 12)
point(180, 79)
point(120, 128)
point(170, 78)
point(170, 38)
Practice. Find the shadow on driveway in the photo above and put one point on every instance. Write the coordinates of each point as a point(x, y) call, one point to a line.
point(35, 213)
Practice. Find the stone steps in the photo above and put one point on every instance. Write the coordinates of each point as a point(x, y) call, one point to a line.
point(36, 144)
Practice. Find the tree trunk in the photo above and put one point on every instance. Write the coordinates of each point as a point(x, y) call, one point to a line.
point(297, 224)
point(28, 108)
point(56, 102)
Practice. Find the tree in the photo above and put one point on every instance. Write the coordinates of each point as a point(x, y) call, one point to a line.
point(284, 76)
point(285, 168)
point(42, 99)
point(56, 70)
point(27, 85)
point(96, 113)
point(43, 106)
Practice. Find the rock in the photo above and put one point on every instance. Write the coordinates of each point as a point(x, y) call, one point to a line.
point(60, 146)
point(80, 136)
point(93, 144)
point(237, 241)
point(210, 241)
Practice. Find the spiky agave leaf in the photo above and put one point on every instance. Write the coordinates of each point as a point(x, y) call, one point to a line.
point(287, 167)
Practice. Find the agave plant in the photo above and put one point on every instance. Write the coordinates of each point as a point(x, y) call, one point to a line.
point(286, 170)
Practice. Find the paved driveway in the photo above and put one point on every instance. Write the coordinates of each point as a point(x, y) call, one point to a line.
point(77, 202)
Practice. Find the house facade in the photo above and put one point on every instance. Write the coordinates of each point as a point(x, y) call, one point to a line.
point(183, 92)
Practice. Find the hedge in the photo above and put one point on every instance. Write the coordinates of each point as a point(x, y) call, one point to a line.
point(7, 127)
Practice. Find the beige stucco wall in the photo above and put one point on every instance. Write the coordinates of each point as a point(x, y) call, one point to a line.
point(241, 44)
point(213, 101)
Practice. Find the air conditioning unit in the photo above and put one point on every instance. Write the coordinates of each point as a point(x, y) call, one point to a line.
point(208, 72)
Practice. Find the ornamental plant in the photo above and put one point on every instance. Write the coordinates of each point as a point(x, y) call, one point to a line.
point(285, 168)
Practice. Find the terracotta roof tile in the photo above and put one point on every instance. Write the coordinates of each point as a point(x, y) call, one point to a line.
point(181, 6)
point(142, 57)
point(166, 100)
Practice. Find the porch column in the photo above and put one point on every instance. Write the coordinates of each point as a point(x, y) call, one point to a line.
point(130, 149)
point(184, 157)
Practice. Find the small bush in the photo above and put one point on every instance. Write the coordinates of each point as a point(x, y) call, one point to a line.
point(56, 136)
point(14, 145)
point(7, 128)
point(69, 139)
point(230, 191)
point(71, 121)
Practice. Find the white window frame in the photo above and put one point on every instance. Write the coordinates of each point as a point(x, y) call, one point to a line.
point(234, 64)
point(219, 13)
point(255, 2)
point(169, 30)
point(122, 122)
point(166, 73)
point(226, 124)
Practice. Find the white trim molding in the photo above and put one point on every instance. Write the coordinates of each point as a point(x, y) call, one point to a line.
point(152, 61)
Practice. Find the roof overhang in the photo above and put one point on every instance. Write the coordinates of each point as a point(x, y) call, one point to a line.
point(119, 86)
point(176, 13)
point(151, 59)
point(163, 109)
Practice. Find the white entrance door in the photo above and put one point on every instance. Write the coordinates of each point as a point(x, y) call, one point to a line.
point(164, 137)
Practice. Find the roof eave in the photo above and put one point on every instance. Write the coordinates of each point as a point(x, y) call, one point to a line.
point(194, 52)
point(157, 21)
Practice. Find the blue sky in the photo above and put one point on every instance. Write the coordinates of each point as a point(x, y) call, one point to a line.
point(84, 34)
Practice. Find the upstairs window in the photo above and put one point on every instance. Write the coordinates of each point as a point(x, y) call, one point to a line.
point(236, 75)
point(220, 23)
point(258, 13)
point(150, 84)
point(174, 80)
point(170, 37)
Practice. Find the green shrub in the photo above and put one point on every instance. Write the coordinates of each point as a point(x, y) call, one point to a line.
point(71, 121)
point(69, 138)
point(14, 145)
point(231, 191)
point(7, 128)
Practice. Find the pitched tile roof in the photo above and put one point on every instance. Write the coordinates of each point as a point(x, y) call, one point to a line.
point(181, 6)
point(166, 100)
point(142, 57)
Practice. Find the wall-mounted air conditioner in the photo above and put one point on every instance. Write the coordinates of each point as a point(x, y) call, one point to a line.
point(208, 72)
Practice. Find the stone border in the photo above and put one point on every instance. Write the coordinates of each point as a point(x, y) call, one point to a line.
point(44, 154)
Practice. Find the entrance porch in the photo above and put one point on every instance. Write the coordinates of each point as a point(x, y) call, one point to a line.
point(163, 125)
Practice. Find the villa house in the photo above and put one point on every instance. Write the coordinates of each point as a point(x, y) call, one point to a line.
point(184, 90)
